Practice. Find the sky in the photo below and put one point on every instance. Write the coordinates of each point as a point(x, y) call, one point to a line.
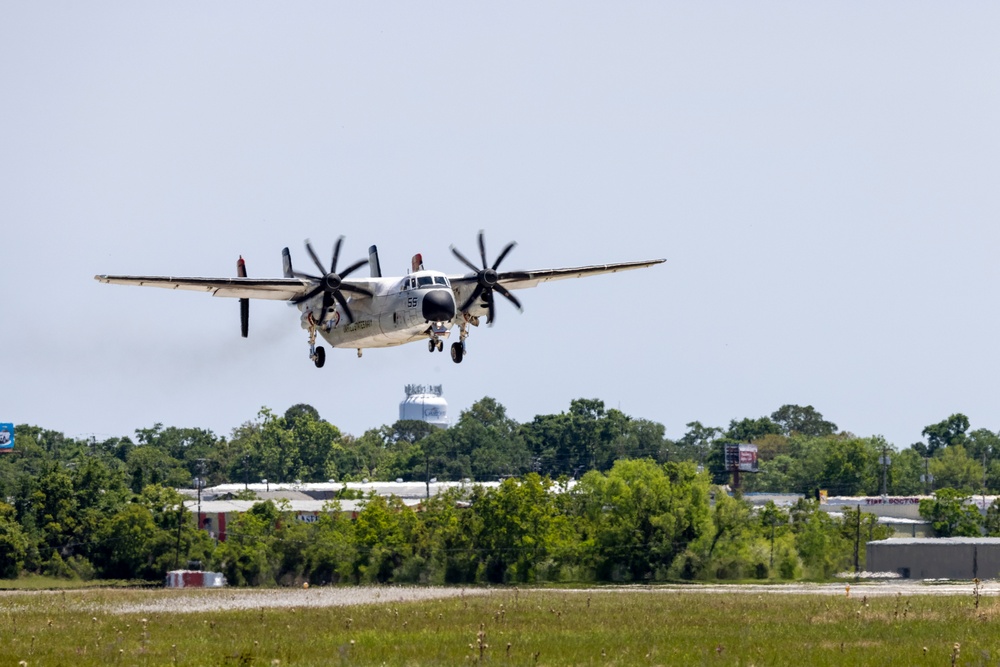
point(821, 177)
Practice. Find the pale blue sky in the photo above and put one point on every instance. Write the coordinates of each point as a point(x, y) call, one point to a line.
point(821, 177)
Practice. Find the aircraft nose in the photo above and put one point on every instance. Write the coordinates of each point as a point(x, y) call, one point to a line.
point(438, 305)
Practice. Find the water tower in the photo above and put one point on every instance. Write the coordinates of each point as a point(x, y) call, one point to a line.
point(424, 403)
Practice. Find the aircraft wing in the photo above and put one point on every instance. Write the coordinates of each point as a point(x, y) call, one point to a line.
point(275, 289)
point(525, 279)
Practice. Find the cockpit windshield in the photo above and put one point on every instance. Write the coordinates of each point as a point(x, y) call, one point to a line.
point(425, 282)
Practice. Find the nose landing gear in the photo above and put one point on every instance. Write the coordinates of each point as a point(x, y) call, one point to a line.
point(435, 345)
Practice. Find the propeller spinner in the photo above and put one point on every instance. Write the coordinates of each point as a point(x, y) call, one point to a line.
point(487, 279)
point(331, 283)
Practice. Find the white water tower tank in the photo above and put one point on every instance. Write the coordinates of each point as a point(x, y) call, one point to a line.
point(424, 403)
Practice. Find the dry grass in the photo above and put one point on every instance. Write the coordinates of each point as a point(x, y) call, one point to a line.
point(500, 627)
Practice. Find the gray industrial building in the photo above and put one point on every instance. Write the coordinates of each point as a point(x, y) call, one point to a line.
point(936, 558)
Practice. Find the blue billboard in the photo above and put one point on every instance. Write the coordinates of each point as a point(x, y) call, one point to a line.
point(6, 438)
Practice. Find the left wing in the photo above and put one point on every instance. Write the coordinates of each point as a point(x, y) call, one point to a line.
point(276, 289)
point(525, 279)
point(474, 291)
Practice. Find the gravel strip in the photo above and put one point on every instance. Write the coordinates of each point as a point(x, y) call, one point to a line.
point(173, 601)
point(188, 601)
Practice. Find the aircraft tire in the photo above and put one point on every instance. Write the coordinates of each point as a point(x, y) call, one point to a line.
point(320, 357)
point(457, 352)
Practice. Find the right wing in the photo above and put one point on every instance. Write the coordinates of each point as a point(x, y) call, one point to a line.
point(275, 289)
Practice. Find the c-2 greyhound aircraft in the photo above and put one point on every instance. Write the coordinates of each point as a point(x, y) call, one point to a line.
point(380, 311)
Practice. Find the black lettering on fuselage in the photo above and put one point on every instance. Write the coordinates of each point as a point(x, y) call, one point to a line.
point(360, 325)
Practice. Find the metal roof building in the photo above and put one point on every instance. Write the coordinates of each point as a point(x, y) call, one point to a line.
point(936, 557)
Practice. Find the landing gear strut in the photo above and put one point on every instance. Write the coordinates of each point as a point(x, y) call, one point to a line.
point(458, 349)
point(316, 353)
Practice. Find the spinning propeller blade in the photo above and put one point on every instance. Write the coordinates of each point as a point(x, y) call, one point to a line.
point(487, 279)
point(331, 283)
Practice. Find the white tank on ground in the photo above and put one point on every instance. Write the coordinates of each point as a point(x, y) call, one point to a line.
point(424, 403)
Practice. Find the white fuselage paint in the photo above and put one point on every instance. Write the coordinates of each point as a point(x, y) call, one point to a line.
point(393, 316)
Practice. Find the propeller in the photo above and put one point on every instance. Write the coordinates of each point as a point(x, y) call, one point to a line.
point(241, 271)
point(331, 283)
point(487, 279)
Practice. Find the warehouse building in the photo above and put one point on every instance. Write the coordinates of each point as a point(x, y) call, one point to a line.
point(936, 558)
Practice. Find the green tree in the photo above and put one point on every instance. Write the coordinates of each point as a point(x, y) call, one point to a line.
point(821, 544)
point(951, 515)
point(490, 440)
point(748, 430)
point(991, 523)
point(952, 468)
point(126, 543)
point(905, 473)
point(383, 533)
point(946, 433)
point(795, 419)
point(850, 466)
point(520, 529)
point(13, 543)
point(983, 444)
point(643, 516)
point(248, 556)
point(697, 442)
point(330, 551)
point(147, 465)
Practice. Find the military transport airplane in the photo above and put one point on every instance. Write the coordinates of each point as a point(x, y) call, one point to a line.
point(380, 311)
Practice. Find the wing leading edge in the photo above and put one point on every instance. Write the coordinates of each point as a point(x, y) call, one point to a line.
point(275, 289)
point(525, 279)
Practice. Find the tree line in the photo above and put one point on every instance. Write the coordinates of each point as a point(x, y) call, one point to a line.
point(799, 451)
point(108, 508)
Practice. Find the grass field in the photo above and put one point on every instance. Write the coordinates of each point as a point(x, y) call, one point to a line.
point(505, 627)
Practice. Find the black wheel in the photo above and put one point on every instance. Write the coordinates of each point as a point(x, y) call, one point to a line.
point(440, 345)
point(431, 345)
point(320, 357)
point(457, 352)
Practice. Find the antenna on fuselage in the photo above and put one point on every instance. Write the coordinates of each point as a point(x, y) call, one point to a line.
point(373, 264)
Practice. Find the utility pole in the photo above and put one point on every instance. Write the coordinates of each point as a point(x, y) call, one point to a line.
point(772, 540)
point(884, 460)
point(180, 516)
point(200, 480)
point(984, 481)
point(857, 544)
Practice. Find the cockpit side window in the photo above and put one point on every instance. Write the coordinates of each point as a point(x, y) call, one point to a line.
point(440, 280)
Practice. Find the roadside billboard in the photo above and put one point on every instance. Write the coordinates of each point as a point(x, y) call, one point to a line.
point(741, 457)
point(6, 438)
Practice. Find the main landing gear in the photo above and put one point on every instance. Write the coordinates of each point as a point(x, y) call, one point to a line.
point(458, 349)
point(316, 352)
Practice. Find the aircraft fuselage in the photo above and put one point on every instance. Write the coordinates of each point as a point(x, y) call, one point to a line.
point(417, 306)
